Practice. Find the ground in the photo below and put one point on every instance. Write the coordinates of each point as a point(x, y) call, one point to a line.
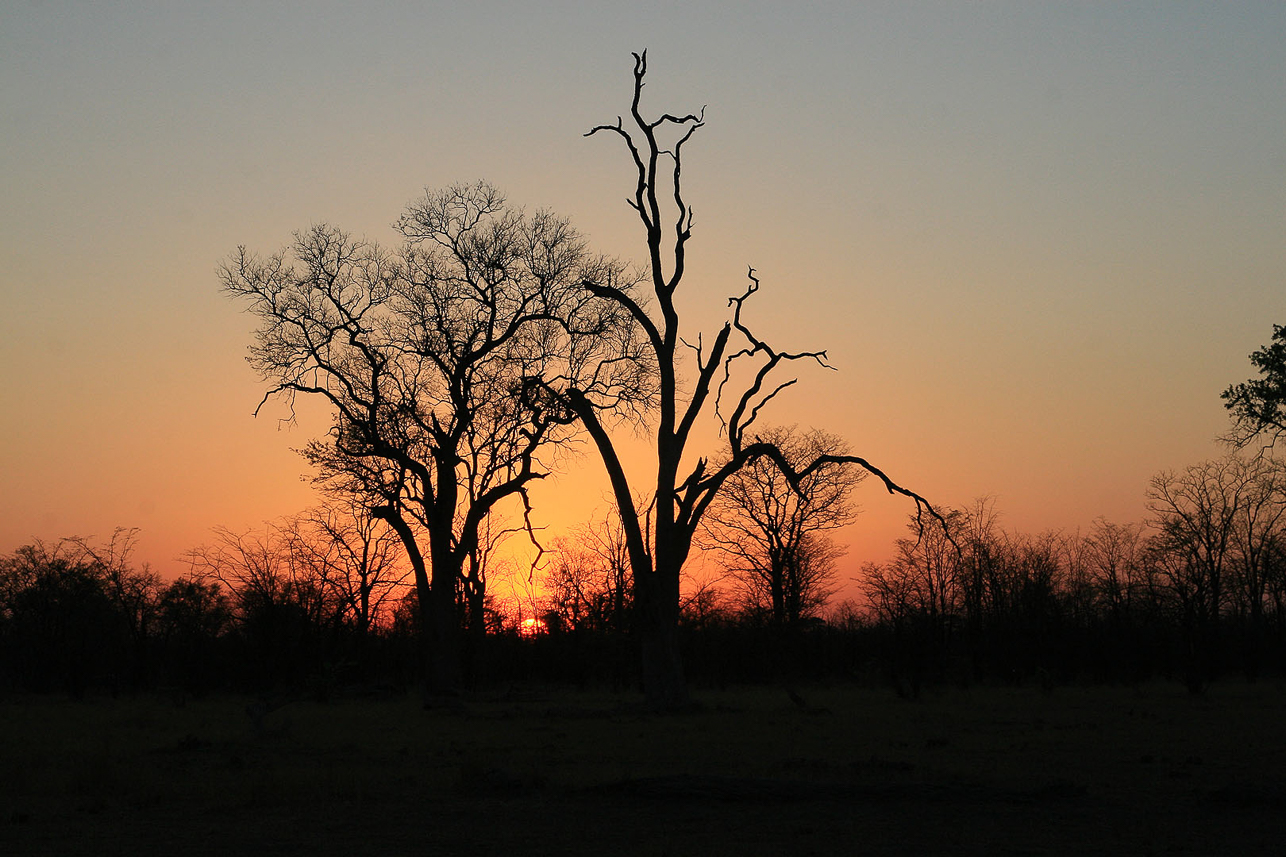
point(522, 770)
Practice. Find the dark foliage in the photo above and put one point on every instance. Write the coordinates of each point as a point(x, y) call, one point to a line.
point(1258, 406)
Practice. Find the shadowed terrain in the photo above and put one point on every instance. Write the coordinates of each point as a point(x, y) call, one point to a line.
point(833, 770)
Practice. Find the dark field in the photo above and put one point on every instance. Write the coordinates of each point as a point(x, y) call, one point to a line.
point(1147, 770)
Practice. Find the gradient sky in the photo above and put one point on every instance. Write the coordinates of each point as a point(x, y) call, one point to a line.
point(1037, 239)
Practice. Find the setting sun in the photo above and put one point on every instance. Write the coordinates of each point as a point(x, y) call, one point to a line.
point(532, 627)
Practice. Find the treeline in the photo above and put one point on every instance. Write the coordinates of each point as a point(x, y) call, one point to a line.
point(1195, 592)
point(251, 613)
point(321, 603)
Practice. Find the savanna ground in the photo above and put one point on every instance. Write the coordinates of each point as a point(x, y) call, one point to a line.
point(532, 770)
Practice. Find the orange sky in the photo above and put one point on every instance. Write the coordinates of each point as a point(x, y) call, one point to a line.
point(1036, 241)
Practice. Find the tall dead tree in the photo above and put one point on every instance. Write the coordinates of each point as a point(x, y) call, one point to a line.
point(660, 535)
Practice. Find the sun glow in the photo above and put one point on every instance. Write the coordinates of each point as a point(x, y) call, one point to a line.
point(532, 627)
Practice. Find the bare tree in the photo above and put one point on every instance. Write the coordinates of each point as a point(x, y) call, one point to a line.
point(271, 579)
point(356, 554)
point(1115, 560)
point(603, 539)
point(771, 534)
point(981, 539)
point(572, 580)
point(1195, 514)
point(442, 363)
point(588, 576)
point(79, 610)
point(660, 535)
point(471, 592)
point(1258, 537)
point(135, 592)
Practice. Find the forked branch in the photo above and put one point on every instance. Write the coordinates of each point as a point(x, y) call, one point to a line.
point(757, 394)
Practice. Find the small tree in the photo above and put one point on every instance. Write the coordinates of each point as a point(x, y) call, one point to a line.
point(134, 591)
point(75, 613)
point(356, 555)
point(192, 614)
point(588, 577)
point(772, 535)
point(283, 606)
point(1116, 563)
point(1195, 514)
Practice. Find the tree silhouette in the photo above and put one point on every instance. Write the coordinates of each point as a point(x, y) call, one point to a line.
point(1115, 560)
point(134, 592)
point(1195, 514)
point(587, 579)
point(75, 613)
point(192, 614)
point(772, 535)
point(660, 536)
point(438, 360)
point(1258, 406)
point(355, 554)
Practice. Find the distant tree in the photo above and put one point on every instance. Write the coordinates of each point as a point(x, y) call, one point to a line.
point(192, 615)
point(135, 592)
point(1030, 621)
point(1194, 515)
point(922, 582)
point(587, 576)
point(268, 574)
point(771, 535)
point(918, 596)
point(1256, 569)
point(283, 607)
point(1116, 562)
point(1009, 601)
point(75, 613)
point(355, 554)
point(475, 604)
point(603, 539)
point(704, 605)
point(442, 362)
point(573, 581)
point(659, 536)
point(983, 546)
point(1258, 406)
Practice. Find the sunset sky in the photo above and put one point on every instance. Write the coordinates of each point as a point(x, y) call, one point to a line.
point(1037, 240)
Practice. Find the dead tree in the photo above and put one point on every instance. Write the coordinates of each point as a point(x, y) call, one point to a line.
point(659, 536)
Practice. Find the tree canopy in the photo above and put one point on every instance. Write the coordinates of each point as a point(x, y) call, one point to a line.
point(441, 360)
point(1258, 406)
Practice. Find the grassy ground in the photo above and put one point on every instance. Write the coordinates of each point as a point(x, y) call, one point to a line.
point(545, 771)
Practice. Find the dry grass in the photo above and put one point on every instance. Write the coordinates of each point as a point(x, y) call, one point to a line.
point(548, 771)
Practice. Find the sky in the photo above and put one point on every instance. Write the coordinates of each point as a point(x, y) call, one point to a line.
point(1036, 240)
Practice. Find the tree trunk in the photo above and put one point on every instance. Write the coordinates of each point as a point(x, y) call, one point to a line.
point(423, 591)
point(475, 632)
point(664, 686)
point(445, 662)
